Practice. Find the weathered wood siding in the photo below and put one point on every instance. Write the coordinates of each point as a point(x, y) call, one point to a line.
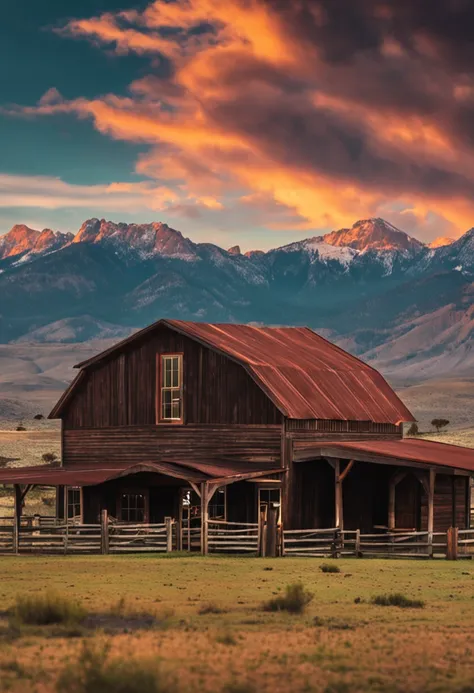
point(128, 445)
point(450, 503)
point(121, 391)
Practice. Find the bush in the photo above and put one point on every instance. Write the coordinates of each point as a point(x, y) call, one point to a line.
point(47, 609)
point(397, 599)
point(38, 417)
point(94, 672)
point(329, 568)
point(20, 428)
point(49, 457)
point(210, 608)
point(413, 430)
point(295, 600)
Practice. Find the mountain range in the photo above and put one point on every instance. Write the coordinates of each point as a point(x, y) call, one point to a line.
point(403, 305)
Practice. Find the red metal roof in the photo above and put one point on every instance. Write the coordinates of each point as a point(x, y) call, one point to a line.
point(92, 475)
point(414, 450)
point(306, 376)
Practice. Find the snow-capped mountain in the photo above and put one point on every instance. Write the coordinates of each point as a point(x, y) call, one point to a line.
point(370, 287)
point(21, 241)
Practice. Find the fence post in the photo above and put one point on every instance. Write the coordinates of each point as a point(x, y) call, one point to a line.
point(15, 536)
point(66, 536)
point(452, 543)
point(271, 548)
point(104, 531)
point(262, 533)
point(357, 543)
point(169, 534)
point(336, 545)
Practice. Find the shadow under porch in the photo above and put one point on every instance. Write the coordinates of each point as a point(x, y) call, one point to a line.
point(372, 496)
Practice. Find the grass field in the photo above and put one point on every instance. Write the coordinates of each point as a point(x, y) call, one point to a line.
point(212, 634)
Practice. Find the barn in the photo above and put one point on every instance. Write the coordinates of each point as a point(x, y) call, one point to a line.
point(204, 422)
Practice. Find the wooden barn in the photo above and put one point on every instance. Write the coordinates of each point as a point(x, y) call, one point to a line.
point(202, 422)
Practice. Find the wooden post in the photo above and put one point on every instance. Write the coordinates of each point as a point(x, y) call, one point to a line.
point(431, 510)
point(357, 544)
point(66, 537)
point(169, 534)
point(271, 543)
point(17, 518)
point(391, 504)
point(452, 543)
point(104, 531)
point(338, 498)
point(262, 532)
point(204, 519)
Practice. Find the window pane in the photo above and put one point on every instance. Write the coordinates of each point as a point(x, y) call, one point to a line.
point(166, 372)
point(176, 404)
point(175, 372)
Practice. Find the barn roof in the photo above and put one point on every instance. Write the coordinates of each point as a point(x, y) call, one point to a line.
point(410, 451)
point(305, 375)
point(223, 472)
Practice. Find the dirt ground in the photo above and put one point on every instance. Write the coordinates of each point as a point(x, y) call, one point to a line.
point(341, 643)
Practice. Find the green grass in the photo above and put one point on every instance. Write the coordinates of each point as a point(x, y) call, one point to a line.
point(335, 644)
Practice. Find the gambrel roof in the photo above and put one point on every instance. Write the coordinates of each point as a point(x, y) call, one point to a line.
point(305, 376)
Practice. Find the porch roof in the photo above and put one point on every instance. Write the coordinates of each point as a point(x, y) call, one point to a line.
point(197, 472)
point(408, 451)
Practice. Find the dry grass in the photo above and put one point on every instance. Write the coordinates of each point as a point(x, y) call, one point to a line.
point(334, 645)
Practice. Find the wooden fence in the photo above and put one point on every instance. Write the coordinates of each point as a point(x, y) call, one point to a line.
point(227, 538)
point(232, 537)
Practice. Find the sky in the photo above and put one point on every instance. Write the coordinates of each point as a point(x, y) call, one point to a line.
point(255, 122)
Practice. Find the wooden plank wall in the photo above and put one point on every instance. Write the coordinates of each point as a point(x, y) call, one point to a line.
point(445, 515)
point(121, 391)
point(127, 445)
point(306, 431)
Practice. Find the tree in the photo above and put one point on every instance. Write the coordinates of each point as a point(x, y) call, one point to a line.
point(38, 417)
point(439, 423)
point(49, 457)
point(413, 430)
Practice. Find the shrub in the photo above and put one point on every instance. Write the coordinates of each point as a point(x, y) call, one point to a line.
point(226, 639)
point(47, 609)
point(38, 417)
point(210, 608)
point(329, 568)
point(20, 428)
point(413, 430)
point(94, 672)
point(49, 457)
point(397, 599)
point(295, 600)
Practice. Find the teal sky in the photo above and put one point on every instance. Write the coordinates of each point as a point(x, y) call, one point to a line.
point(255, 123)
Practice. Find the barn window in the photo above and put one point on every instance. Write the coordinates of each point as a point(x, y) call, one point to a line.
point(133, 507)
point(171, 388)
point(269, 497)
point(74, 509)
point(217, 505)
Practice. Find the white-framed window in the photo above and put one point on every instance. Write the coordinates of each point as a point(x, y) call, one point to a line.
point(171, 388)
point(74, 503)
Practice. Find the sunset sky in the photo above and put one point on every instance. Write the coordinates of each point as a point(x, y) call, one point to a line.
point(238, 121)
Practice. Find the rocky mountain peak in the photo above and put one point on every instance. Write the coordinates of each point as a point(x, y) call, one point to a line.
point(21, 240)
point(441, 242)
point(147, 240)
point(373, 234)
point(234, 250)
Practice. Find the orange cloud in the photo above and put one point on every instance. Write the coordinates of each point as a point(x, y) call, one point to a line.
point(262, 105)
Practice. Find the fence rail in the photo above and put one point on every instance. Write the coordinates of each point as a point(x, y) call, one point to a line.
point(35, 536)
point(232, 537)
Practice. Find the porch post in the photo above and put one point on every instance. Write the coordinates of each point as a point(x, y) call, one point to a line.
point(17, 518)
point(339, 519)
point(204, 519)
point(431, 488)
